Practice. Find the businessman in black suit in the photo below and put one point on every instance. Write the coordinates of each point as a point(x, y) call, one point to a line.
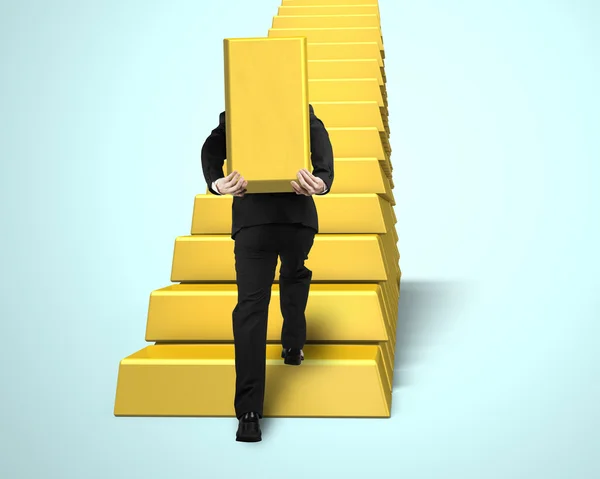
point(266, 226)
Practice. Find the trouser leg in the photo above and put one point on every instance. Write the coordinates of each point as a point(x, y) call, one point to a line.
point(255, 263)
point(294, 283)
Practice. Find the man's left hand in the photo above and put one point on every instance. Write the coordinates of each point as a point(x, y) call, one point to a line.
point(308, 184)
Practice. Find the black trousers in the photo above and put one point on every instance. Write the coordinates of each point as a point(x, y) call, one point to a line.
point(256, 251)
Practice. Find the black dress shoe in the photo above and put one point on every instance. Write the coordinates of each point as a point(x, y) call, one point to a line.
point(293, 356)
point(249, 428)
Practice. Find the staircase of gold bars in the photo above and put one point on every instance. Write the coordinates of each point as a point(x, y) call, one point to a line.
point(353, 303)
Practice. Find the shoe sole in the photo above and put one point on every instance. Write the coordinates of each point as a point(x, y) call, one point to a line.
point(248, 439)
point(294, 361)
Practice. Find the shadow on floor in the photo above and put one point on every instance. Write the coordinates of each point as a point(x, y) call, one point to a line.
point(424, 309)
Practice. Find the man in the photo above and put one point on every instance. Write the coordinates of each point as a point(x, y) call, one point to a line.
point(265, 226)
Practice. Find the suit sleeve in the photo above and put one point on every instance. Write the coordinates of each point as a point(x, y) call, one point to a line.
point(321, 151)
point(213, 155)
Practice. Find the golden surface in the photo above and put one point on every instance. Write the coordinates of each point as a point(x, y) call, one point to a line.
point(362, 142)
point(326, 21)
point(390, 247)
point(266, 98)
point(360, 175)
point(345, 51)
point(199, 380)
point(385, 141)
point(340, 137)
point(338, 213)
point(388, 346)
point(350, 114)
point(328, 2)
point(344, 69)
point(328, 10)
point(177, 312)
point(334, 35)
point(332, 258)
point(361, 89)
point(202, 312)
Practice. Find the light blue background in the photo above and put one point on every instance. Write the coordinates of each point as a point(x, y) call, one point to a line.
point(494, 114)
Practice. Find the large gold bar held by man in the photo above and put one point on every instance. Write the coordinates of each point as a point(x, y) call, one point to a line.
point(267, 119)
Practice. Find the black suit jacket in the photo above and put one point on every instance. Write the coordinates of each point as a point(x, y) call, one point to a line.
point(264, 208)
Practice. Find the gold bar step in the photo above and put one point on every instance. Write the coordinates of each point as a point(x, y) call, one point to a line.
point(345, 51)
point(391, 255)
point(261, 66)
point(349, 172)
point(358, 175)
point(338, 213)
point(386, 142)
point(344, 69)
point(331, 35)
point(349, 114)
point(326, 21)
point(328, 10)
point(359, 142)
point(199, 380)
point(343, 90)
point(210, 258)
point(202, 312)
point(391, 248)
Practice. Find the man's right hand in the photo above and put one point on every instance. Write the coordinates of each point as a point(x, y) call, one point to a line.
point(233, 184)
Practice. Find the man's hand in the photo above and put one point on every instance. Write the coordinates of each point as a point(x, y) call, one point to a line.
point(309, 184)
point(233, 184)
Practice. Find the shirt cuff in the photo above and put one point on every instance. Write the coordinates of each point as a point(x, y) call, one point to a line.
point(214, 187)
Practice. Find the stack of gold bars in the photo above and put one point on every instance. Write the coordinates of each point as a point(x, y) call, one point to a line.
point(353, 303)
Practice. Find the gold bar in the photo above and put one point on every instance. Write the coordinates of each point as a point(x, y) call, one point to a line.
point(328, 10)
point(202, 312)
point(345, 51)
point(344, 69)
point(387, 348)
point(366, 89)
point(210, 258)
point(326, 21)
point(390, 247)
point(266, 98)
point(359, 175)
point(338, 213)
point(361, 142)
point(358, 142)
point(199, 380)
point(385, 140)
point(333, 35)
point(350, 114)
point(390, 252)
